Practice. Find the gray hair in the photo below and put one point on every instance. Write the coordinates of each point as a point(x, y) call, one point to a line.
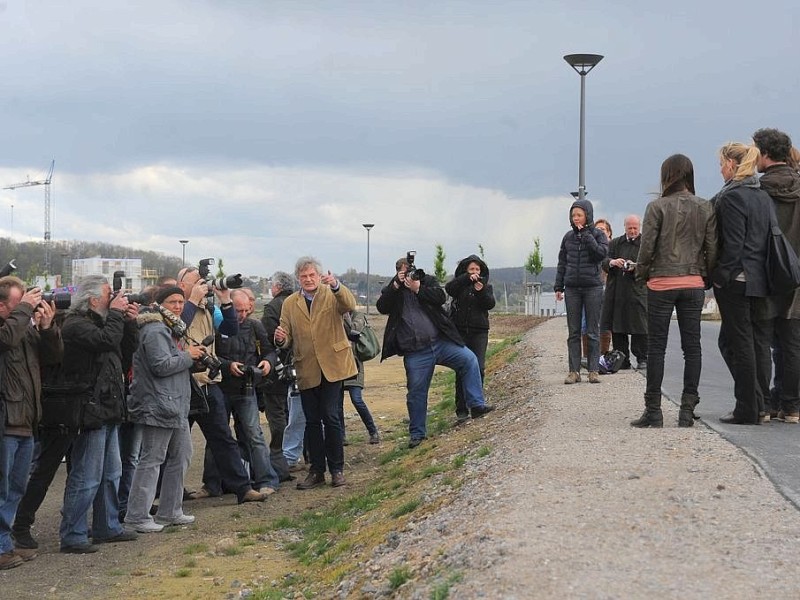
point(89, 287)
point(304, 262)
point(283, 280)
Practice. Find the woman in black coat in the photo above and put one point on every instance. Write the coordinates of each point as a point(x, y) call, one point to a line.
point(740, 280)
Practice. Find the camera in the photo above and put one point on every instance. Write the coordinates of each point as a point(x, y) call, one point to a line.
point(287, 373)
point(628, 266)
point(10, 267)
point(61, 300)
point(116, 287)
point(249, 373)
point(412, 272)
point(231, 282)
point(212, 363)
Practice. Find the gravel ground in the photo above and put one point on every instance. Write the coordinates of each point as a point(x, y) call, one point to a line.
point(573, 502)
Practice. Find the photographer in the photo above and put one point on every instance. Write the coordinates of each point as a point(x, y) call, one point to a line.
point(198, 315)
point(247, 358)
point(420, 332)
point(625, 301)
point(473, 298)
point(28, 340)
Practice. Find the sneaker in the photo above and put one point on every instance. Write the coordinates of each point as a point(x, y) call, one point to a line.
point(24, 539)
point(337, 479)
point(26, 554)
point(478, 411)
point(145, 527)
point(641, 365)
point(594, 377)
point(789, 417)
point(374, 438)
point(125, 536)
point(573, 377)
point(311, 481)
point(9, 560)
point(253, 496)
point(79, 549)
point(764, 417)
point(267, 491)
point(414, 442)
point(182, 520)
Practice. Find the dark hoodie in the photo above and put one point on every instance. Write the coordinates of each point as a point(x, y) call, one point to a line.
point(581, 252)
point(470, 307)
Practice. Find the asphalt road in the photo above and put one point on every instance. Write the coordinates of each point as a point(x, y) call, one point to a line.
point(775, 446)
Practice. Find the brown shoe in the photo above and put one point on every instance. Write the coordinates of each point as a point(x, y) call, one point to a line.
point(26, 554)
point(311, 481)
point(9, 560)
point(296, 468)
point(573, 377)
point(594, 377)
point(253, 496)
point(267, 491)
point(788, 417)
point(337, 479)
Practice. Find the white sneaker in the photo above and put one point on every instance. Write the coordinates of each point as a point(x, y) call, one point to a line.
point(182, 520)
point(146, 527)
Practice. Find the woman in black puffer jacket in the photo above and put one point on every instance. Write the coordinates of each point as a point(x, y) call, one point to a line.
point(473, 298)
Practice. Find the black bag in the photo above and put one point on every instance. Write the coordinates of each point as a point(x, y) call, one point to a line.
point(783, 270)
point(63, 406)
point(611, 362)
point(198, 403)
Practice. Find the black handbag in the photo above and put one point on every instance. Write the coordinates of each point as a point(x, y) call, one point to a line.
point(198, 403)
point(783, 268)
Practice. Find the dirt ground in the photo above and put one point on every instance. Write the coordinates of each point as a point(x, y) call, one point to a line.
point(206, 560)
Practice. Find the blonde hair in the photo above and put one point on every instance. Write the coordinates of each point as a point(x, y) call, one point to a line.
point(746, 158)
point(794, 158)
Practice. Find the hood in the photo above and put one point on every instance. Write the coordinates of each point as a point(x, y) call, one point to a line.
point(587, 208)
point(464, 263)
point(782, 183)
point(148, 317)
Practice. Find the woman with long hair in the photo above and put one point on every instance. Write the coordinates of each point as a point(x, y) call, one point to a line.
point(740, 280)
point(677, 254)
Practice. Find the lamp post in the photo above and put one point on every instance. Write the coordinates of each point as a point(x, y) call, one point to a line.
point(368, 227)
point(183, 252)
point(582, 63)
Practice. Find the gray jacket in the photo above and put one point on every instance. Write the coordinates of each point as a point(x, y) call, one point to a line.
point(160, 390)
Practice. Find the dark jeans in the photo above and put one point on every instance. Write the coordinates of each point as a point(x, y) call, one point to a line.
point(688, 303)
point(51, 448)
point(786, 357)
point(321, 407)
point(579, 300)
point(638, 345)
point(477, 342)
point(224, 449)
point(130, 439)
point(744, 344)
point(276, 411)
point(357, 400)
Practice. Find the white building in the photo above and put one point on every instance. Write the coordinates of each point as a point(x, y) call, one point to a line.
point(132, 282)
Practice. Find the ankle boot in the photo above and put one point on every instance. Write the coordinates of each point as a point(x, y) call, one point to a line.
point(686, 414)
point(652, 415)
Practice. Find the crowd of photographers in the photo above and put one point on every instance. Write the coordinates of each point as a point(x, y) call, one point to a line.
point(112, 383)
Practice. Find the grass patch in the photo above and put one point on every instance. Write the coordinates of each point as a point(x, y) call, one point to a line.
point(232, 551)
point(116, 572)
point(406, 508)
point(441, 591)
point(483, 451)
point(398, 577)
point(369, 500)
point(259, 529)
point(392, 455)
point(433, 470)
point(190, 564)
point(198, 548)
point(183, 572)
point(459, 461)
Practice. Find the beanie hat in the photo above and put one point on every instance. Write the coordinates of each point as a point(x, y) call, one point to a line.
point(167, 291)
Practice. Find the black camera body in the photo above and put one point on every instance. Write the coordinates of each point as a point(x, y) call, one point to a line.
point(231, 282)
point(61, 300)
point(287, 374)
point(116, 288)
point(412, 272)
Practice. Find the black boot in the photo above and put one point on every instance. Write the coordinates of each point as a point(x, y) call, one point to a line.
point(686, 415)
point(652, 415)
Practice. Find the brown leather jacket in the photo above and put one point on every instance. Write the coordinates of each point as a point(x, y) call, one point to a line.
point(679, 237)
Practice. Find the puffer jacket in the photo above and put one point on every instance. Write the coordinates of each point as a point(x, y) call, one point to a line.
point(782, 183)
point(581, 253)
point(250, 346)
point(23, 351)
point(470, 307)
point(161, 387)
point(679, 237)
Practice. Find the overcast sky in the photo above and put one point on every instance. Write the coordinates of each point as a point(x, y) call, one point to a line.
point(262, 131)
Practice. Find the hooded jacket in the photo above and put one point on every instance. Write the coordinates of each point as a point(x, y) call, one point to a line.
point(581, 252)
point(470, 308)
point(782, 183)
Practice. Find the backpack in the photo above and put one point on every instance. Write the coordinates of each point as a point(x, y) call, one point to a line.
point(366, 346)
point(611, 362)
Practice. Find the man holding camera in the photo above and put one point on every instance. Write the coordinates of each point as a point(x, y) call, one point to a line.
point(199, 318)
point(311, 325)
point(624, 310)
point(247, 358)
point(28, 340)
point(419, 330)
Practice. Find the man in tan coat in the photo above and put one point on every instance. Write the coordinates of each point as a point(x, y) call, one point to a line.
point(311, 324)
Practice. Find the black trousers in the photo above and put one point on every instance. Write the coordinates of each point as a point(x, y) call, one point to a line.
point(477, 341)
point(638, 345)
point(276, 411)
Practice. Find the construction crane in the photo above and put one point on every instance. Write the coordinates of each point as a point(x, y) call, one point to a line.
point(46, 183)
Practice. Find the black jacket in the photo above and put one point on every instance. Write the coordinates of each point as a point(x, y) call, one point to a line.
point(431, 298)
point(270, 319)
point(250, 346)
point(581, 253)
point(625, 299)
point(470, 307)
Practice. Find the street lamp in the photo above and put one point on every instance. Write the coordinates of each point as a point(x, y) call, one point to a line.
point(368, 227)
point(183, 252)
point(582, 63)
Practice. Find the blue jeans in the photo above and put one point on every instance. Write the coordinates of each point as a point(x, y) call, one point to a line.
point(688, 303)
point(15, 464)
point(357, 400)
point(295, 432)
point(580, 301)
point(419, 367)
point(130, 439)
point(321, 406)
point(93, 481)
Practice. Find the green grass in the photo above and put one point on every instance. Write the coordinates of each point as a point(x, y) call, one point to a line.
point(232, 551)
point(398, 577)
point(191, 563)
point(406, 508)
point(183, 572)
point(459, 461)
point(483, 451)
point(392, 455)
point(199, 548)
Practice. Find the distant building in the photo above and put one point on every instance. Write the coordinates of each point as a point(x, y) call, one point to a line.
point(133, 280)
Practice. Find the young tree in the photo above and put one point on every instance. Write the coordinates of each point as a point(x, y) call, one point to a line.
point(481, 252)
point(220, 271)
point(533, 264)
point(439, 270)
